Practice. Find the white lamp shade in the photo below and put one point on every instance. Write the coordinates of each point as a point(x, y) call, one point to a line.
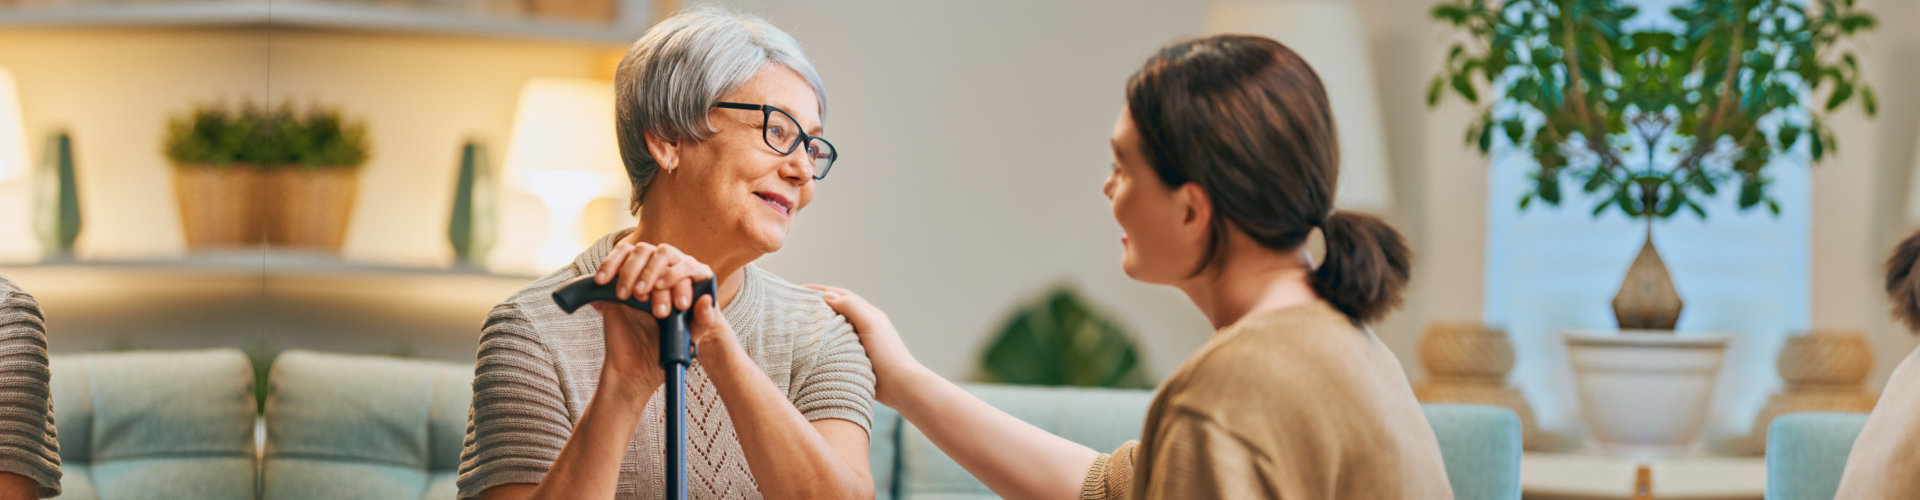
point(566, 124)
point(563, 152)
point(13, 135)
point(17, 240)
point(1330, 36)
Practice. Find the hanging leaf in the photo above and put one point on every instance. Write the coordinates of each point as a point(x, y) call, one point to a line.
point(1841, 92)
point(1464, 85)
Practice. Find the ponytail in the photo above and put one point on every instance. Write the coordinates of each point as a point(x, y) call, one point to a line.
point(1903, 287)
point(1366, 266)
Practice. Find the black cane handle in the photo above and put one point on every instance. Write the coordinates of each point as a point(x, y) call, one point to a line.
point(676, 346)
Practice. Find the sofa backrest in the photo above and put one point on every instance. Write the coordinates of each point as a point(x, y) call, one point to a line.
point(1480, 444)
point(155, 424)
point(907, 466)
point(346, 426)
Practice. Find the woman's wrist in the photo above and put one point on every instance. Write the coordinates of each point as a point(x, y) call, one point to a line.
point(626, 392)
point(902, 385)
point(722, 353)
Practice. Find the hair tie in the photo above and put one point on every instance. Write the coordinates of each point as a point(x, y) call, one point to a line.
point(1322, 223)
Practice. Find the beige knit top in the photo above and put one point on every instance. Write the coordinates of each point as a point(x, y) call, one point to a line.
point(28, 445)
point(538, 368)
point(1885, 461)
point(1296, 403)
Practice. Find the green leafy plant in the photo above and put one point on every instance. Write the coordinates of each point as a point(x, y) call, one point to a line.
point(1654, 121)
point(215, 134)
point(1061, 340)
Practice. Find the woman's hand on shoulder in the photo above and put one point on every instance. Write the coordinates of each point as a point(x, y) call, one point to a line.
point(892, 363)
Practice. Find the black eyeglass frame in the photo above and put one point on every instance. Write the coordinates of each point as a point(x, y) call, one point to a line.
point(801, 137)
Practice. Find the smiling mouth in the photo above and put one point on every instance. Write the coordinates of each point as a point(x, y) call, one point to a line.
point(776, 202)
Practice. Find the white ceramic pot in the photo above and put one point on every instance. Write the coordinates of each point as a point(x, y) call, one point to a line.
point(1645, 392)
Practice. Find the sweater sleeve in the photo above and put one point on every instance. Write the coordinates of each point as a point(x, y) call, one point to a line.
point(1194, 457)
point(28, 444)
point(833, 379)
point(518, 422)
point(1111, 476)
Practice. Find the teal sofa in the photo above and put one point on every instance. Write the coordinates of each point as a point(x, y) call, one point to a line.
point(343, 426)
point(365, 427)
point(1806, 452)
point(156, 425)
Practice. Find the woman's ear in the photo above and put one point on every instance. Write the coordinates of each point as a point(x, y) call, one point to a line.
point(664, 152)
point(1196, 219)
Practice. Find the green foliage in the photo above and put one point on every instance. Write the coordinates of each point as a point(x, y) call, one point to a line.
point(1651, 121)
point(1061, 340)
point(214, 134)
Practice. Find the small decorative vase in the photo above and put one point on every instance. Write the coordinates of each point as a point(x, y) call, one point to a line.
point(58, 199)
point(1647, 300)
point(470, 228)
point(1467, 362)
point(1825, 371)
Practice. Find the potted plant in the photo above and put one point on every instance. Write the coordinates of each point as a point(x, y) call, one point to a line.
point(1060, 340)
point(313, 177)
point(1652, 122)
point(217, 181)
point(250, 175)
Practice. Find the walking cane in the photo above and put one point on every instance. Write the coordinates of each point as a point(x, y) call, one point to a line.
point(676, 353)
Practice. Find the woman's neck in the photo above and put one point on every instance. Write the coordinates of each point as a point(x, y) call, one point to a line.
point(1251, 279)
point(726, 268)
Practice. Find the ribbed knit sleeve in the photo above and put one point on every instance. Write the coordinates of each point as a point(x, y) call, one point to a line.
point(28, 444)
point(518, 422)
point(832, 377)
point(1111, 476)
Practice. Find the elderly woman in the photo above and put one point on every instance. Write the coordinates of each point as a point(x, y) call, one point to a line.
point(29, 454)
point(718, 116)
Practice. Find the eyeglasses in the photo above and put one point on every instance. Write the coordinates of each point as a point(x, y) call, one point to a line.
point(784, 135)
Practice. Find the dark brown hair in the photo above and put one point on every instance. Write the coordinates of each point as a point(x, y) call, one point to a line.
point(1903, 288)
point(1248, 120)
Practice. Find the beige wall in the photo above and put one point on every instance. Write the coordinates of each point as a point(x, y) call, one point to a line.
point(1862, 197)
point(113, 91)
point(421, 97)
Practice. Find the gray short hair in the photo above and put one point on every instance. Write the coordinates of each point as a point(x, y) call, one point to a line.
point(671, 77)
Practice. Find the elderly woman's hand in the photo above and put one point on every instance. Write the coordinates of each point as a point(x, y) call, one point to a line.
point(663, 276)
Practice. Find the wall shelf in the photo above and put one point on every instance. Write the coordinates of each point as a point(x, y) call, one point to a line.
point(263, 301)
point(633, 19)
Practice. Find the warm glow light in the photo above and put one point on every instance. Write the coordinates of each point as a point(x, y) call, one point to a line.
point(17, 240)
point(563, 152)
point(566, 194)
point(13, 135)
point(1329, 34)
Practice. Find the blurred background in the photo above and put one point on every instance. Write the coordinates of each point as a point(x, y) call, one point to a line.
point(454, 150)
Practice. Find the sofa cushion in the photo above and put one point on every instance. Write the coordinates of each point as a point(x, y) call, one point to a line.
point(1806, 453)
point(155, 424)
point(347, 426)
